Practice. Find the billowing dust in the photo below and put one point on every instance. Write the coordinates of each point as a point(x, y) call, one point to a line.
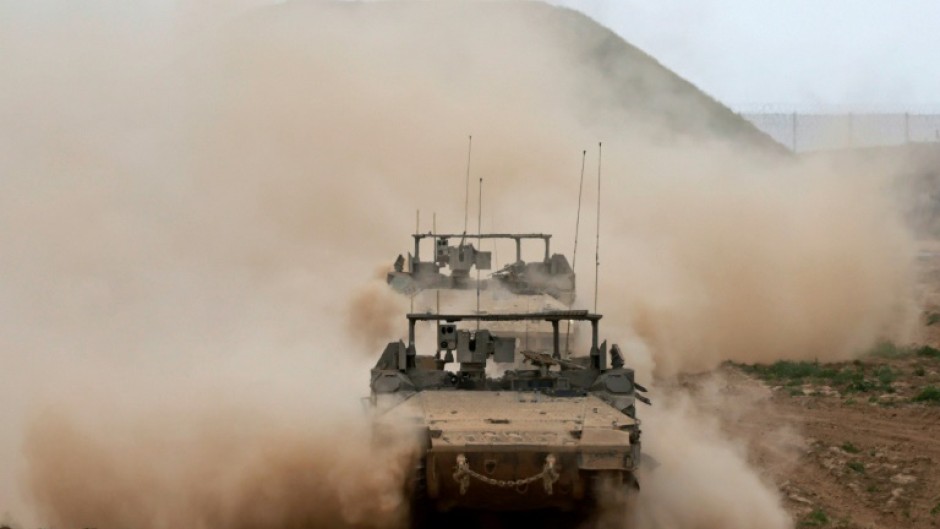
point(374, 315)
point(190, 199)
point(219, 468)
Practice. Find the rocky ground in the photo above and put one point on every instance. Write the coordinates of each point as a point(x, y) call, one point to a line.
point(854, 444)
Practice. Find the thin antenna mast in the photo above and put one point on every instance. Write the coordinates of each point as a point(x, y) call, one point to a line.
point(577, 230)
point(479, 242)
point(466, 202)
point(577, 223)
point(437, 291)
point(417, 230)
point(597, 243)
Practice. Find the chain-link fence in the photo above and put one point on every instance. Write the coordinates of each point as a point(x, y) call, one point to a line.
point(803, 132)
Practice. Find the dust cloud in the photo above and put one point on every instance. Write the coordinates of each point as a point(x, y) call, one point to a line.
point(374, 316)
point(189, 200)
point(223, 468)
point(703, 477)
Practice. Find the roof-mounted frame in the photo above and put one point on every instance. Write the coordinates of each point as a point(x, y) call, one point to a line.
point(517, 237)
point(553, 317)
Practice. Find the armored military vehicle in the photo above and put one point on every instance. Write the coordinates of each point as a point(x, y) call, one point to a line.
point(552, 275)
point(541, 436)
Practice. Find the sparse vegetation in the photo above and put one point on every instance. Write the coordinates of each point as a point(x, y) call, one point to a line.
point(928, 351)
point(920, 371)
point(817, 518)
point(860, 384)
point(885, 375)
point(928, 394)
point(785, 370)
point(850, 448)
point(936, 509)
point(932, 318)
point(889, 350)
point(855, 378)
point(857, 466)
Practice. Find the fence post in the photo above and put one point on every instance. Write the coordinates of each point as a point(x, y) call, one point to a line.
point(793, 122)
point(850, 139)
point(907, 127)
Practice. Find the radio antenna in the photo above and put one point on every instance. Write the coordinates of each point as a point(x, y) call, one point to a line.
point(417, 230)
point(466, 201)
point(597, 243)
point(577, 229)
point(437, 291)
point(479, 242)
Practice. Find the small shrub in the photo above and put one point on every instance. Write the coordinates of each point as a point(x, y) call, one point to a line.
point(885, 375)
point(929, 352)
point(932, 318)
point(888, 350)
point(849, 376)
point(793, 370)
point(786, 372)
point(920, 371)
point(928, 394)
point(857, 466)
point(862, 385)
point(816, 518)
point(936, 509)
point(850, 448)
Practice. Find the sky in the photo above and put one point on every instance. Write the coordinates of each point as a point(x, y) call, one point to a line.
point(790, 55)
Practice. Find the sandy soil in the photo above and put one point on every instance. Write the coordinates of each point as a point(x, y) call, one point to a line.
point(847, 459)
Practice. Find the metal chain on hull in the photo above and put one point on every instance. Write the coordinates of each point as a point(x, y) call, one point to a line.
point(548, 475)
